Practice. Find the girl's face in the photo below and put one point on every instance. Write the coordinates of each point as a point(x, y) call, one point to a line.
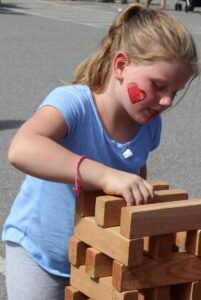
point(148, 90)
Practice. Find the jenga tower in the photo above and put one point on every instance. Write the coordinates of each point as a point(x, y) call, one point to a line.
point(134, 253)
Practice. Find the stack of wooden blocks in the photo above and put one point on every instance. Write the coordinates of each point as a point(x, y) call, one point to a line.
point(146, 252)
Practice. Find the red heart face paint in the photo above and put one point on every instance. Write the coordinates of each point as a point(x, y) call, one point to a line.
point(135, 93)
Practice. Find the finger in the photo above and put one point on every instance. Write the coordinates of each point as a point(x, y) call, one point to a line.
point(138, 195)
point(150, 191)
point(146, 192)
point(129, 198)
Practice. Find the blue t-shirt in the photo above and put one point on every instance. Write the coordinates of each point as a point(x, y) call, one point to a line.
point(42, 216)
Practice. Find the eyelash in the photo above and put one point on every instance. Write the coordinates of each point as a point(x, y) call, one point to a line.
point(158, 86)
point(161, 88)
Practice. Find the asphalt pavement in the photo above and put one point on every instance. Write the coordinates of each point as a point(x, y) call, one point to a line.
point(41, 43)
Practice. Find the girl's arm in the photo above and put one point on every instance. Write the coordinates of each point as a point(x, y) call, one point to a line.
point(35, 151)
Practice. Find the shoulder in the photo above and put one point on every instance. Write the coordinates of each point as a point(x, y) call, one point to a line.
point(72, 99)
point(73, 102)
point(65, 95)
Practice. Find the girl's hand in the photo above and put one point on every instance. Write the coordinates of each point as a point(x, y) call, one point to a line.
point(134, 189)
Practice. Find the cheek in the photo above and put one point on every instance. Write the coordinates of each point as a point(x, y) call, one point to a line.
point(135, 93)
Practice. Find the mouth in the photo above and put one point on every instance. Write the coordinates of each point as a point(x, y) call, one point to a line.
point(153, 113)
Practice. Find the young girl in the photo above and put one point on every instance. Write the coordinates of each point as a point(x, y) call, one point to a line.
point(95, 134)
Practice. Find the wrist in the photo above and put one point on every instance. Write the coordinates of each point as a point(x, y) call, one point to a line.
point(93, 175)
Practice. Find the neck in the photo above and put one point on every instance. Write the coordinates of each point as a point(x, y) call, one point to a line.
point(115, 120)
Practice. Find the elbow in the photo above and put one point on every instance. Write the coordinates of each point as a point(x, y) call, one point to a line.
point(14, 154)
point(11, 156)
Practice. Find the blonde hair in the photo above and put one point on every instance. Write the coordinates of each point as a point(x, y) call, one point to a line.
point(146, 36)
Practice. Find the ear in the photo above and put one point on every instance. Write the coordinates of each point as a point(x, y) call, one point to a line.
point(120, 63)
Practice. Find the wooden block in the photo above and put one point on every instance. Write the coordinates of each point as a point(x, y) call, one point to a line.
point(141, 295)
point(130, 295)
point(71, 293)
point(162, 292)
point(181, 268)
point(99, 289)
point(190, 241)
point(159, 184)
point(146, 244)
point(108, 210)
point(193, 242)
point(109, 241)
point(175, 248)
point(85, 205)
point(98, 264)
point(170, 195)
point(160, 247)
point(180, 239)
point(188, 291)
point(77, 251)
point(160, 218)
point(159, 293)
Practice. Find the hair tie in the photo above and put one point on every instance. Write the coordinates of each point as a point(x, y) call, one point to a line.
point(77, 189)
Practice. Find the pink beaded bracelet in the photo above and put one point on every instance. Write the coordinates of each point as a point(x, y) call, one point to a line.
point(77, 188)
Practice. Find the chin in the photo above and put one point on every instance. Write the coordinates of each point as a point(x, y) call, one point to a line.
point(144, 121)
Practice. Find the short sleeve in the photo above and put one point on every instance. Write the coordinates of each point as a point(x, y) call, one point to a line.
point(69, 103)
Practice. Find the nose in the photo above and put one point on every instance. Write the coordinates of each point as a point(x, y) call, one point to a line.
point(166, 101)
